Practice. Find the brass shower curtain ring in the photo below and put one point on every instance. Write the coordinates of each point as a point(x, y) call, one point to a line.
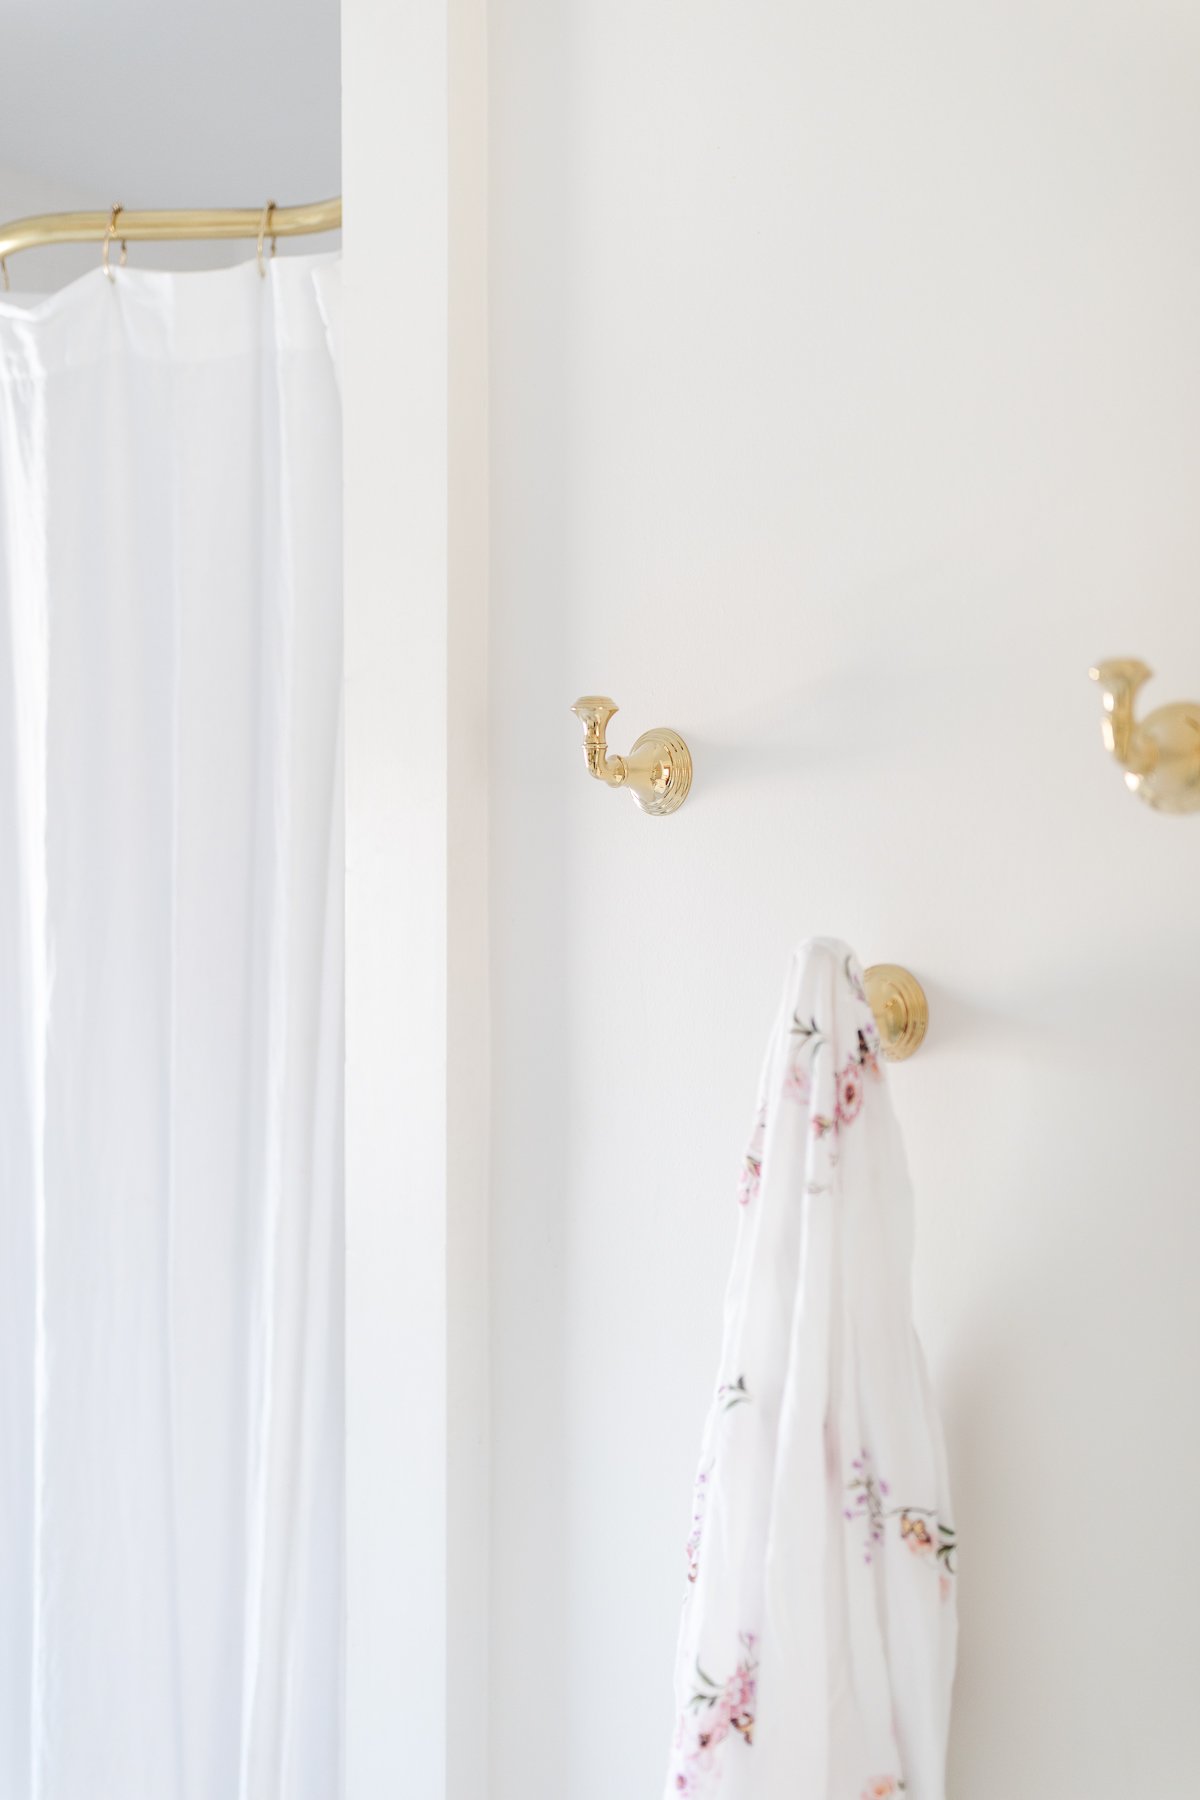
point(109, 235)
point(263, 227)
point(4, 275)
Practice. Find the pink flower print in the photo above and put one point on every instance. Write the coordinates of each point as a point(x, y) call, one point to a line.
point(915, 1533)
point(751, 1180)
point(738, 1701)
point(692, 1548)
point(849, 1093)
point(867, 1506)
point(798, 1086)
point(717, 1732)
point(799, 1076)
point(883, 1787)
point(752, 1166)
point(945, 1586)
point(719, 1709)
point(868, 1047)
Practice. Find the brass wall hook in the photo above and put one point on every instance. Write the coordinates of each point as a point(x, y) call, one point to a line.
point(901, 1010)
point(1160, 753)
point(657, 771)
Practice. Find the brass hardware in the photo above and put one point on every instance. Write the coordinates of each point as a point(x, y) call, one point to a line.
point(657, 771)
point(901, 1010)
point(109, 235)
point(263, 227)
point(1160, 753)
point(160, 227)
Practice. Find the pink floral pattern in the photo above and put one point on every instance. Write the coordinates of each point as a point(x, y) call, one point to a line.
point(752, 1167)
point(692, 1548)
point(916, 1534)
point(849, 1093)
point(938, 1545)
point(751, 1177)
point(844, 1104)
point(823, 1061)
point(812, 1041)
point(717, 1711)
point(921, 1532)
point(870, 1493)
point(798, 1085)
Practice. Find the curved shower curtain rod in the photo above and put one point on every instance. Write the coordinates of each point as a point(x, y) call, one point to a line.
point(158, 227)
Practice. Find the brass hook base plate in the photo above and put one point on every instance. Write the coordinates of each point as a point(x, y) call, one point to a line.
point(901, 1010)
point(659, 772)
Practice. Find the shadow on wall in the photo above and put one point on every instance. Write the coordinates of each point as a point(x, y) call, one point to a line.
point(1078, 1336)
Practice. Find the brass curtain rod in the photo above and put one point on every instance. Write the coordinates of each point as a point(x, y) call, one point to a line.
point(178, 226)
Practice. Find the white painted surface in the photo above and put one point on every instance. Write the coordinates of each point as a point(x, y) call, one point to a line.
point(396, 900)
point(846, 405)
point(417, 1016)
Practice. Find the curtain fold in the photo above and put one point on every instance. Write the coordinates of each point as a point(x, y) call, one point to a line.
point(171, 1038)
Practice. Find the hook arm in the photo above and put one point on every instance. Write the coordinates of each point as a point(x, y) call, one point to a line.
point(594, 712)
point(1120, 680)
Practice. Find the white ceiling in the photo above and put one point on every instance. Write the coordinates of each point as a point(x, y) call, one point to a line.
point(173, 102)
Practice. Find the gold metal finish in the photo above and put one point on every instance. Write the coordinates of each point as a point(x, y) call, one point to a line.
point(657, 771)
point(1160, 753)
point(901, 1010)
point(109, 235)
point(263, 227)
point(163, 227)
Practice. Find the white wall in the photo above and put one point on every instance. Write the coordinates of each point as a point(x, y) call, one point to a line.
point(846, 406)
point(415, 394)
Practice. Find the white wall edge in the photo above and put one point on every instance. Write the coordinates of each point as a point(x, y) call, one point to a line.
point(416, 998)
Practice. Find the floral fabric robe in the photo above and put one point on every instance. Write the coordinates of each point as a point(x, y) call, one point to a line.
point(816, 1652)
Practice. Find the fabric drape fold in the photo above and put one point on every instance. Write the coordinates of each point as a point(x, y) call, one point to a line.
point(171, 1037)
point(816, 1651)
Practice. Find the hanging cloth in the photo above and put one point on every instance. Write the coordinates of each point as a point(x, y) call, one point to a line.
point(171, 1045)
point(816, 1652)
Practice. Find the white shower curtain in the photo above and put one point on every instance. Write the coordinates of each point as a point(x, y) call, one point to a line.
point(171, 1038)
